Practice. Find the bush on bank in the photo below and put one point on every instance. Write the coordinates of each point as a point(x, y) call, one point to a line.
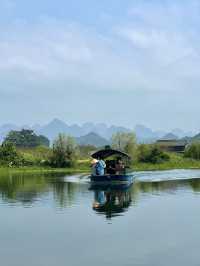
point(9, 155)
point(193, 151)
point(147, 153)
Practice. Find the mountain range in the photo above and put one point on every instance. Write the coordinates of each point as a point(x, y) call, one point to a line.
point(92, 139)
point(90, 133)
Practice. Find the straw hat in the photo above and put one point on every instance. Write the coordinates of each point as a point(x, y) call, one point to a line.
point(94, 161)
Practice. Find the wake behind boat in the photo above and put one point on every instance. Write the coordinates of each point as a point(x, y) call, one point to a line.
point(116, 167)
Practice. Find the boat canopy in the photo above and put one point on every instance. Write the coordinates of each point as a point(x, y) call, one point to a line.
point(109, 152)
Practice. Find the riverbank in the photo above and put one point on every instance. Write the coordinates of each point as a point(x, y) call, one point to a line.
point(165, 166)
point(82, 166)
point(177, 162)
point(41, 170)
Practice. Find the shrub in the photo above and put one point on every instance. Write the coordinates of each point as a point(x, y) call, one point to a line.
point(151, 154)
point(29, 159)
point(39, 156)
point(65, 151)
point(193, 151)
point(9, 155)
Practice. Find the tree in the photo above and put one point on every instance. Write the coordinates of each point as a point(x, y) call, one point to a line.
point(143, 152)
point(193, 151)
point(43, 141)
point(26, 138)
point(125, 142)
point(151, 154)
point(9, 154)
point(65, 151)
point(86, 150)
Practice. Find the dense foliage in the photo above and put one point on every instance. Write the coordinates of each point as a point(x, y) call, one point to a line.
point(9, 155)
point(151, 154)
point(37, 156)
point(193, 151)
point(85, 151)
point(125, 142)
point(65, 151)
point(19, 149)
point(26, 138)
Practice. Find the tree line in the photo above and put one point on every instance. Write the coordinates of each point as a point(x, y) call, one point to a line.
point(25, 148)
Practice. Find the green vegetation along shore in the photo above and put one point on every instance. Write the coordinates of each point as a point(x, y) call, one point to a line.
point(65, 156)
point(82, 167)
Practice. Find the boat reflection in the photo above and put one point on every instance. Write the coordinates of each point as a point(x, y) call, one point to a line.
point(111, 201)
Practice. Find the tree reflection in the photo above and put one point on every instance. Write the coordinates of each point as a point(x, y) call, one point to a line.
point(65, 193)
point(21, 188)
point(109, 201)
point(28, 189)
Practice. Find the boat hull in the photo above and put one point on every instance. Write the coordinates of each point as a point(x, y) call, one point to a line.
point(112, 179)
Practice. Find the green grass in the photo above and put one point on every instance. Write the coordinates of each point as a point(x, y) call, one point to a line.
point(83, 166)
point(40, 170)
point(176, 162)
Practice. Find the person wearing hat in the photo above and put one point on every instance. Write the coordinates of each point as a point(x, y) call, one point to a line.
point(100, 166)
point(93, 166)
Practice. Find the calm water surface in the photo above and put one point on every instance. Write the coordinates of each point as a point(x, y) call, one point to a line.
point(59, 220)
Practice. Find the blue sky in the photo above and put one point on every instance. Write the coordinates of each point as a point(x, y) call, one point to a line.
point(119, 62)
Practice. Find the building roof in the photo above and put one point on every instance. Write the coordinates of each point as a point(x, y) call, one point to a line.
point(172, 142)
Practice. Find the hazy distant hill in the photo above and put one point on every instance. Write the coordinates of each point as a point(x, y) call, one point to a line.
point(196, 137)
point(145, 134)
point(52, 129)
point(92, 139)
point(181, 134)
point(192, 139)
point(56, 126)
point(170, 136)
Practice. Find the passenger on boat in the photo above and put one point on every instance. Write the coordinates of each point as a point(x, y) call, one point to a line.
point(110, 167)
point(119, 167)
point(100, 167)
point(93, 166)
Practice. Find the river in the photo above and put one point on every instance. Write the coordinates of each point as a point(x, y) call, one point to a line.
point(60, 220)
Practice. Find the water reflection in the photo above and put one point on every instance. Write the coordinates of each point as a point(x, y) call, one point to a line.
point(150, 220)
point(111, 201)
point(29, 189)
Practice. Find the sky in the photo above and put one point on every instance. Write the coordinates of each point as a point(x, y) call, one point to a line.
point(118, 62)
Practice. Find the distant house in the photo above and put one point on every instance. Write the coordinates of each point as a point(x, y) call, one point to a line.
point(172, 145)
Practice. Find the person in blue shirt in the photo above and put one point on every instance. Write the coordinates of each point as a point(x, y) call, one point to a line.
point(100, 167)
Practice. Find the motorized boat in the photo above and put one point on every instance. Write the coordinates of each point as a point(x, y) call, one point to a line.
point(113, 173)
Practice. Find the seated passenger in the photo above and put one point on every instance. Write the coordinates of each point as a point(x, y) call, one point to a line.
point(119, 167)
point(110, 167)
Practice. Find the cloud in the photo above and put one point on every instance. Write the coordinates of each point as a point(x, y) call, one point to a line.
point(164, 37)
point(148, 58)
point(55, 51)
point(148, 51)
